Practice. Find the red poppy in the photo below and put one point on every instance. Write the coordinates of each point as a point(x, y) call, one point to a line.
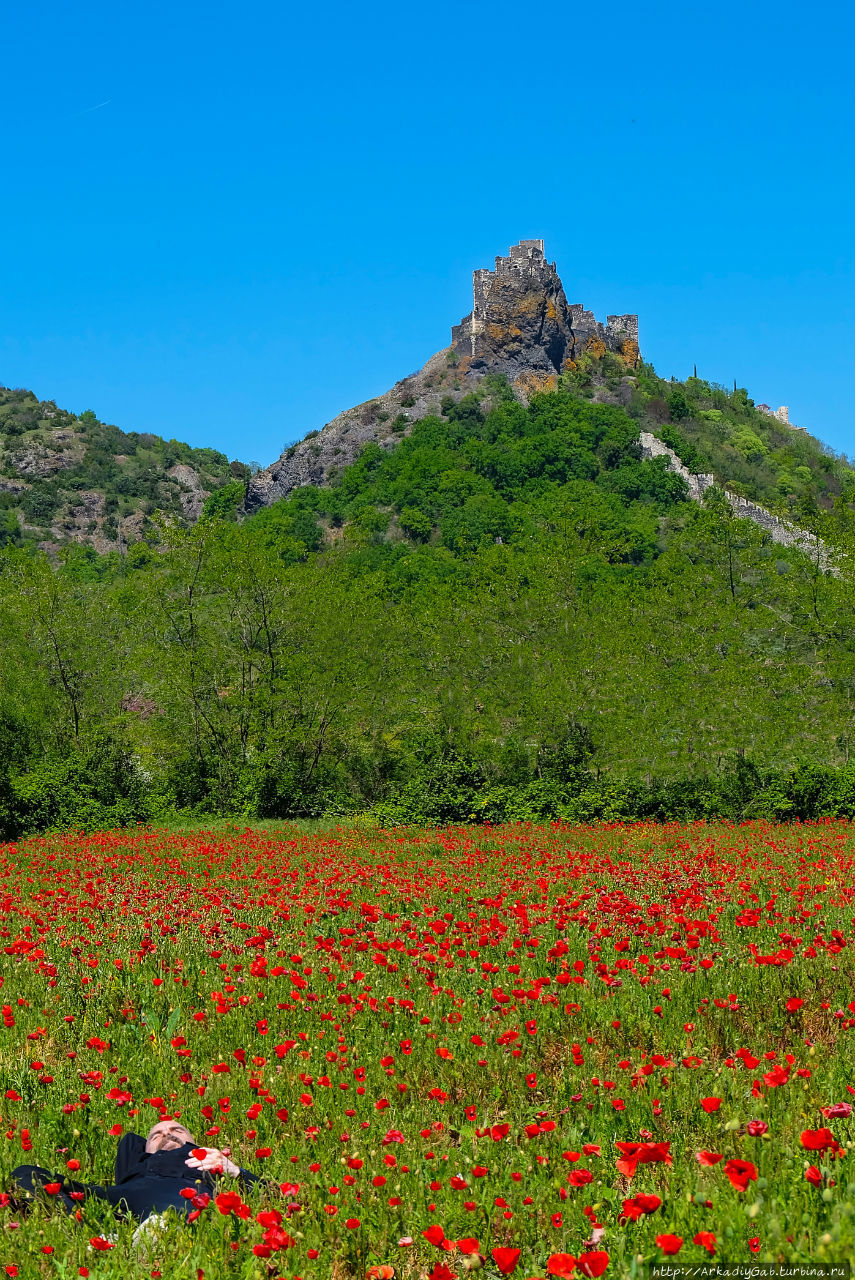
point(710, 1104)
point(635, 1153)
point(633, 1209)
point(813, 1175)
point(669, 1243)
point(561, 1264)
point(592, 1264)
point(706, 1239)
point(819, 1140)
point(506, 1259)
point(708, 1158)
point(740, 1173)
point(442, 1272)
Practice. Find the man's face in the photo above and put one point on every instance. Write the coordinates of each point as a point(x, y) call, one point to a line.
point(167, 1135)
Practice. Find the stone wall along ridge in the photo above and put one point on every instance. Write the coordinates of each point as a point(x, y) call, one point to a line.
point(778, 530)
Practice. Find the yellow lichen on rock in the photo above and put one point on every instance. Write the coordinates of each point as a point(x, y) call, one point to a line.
point(596, 348)
point(629, 353)
point(528, 304)
point(531, 384)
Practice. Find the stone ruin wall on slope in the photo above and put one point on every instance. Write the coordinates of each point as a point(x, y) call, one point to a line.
point(780, 531)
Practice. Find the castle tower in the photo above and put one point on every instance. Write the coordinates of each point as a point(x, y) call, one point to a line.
point(521, 322)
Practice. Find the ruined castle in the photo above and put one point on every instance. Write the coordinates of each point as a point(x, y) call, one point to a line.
point(521, 322)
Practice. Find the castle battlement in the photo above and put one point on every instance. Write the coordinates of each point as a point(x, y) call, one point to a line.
point(521, 321)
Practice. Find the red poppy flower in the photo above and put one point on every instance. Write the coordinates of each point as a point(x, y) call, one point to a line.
point(669, 1243)
point(635, 1153)
point(706, 1239)
point(561, 1264)
point(434, 1234)
point(776, 1077)
point(228, 1202)
point(710, 1104)
point(506, 1259)
point(593, 1264)
point(708, 1158)
point(468, 1245)
point(813, 1175)
point(638, 1205)
point(740, 1173)
point(818, 1140)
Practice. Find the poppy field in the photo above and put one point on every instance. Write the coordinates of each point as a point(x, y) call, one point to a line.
point(529, 1052)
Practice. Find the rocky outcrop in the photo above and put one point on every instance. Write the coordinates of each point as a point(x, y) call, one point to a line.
point(321, 455)
point(41, 459)
point(191, 493)
point(521, 325)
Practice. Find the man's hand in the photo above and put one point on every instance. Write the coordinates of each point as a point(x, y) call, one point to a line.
point(212, 1160)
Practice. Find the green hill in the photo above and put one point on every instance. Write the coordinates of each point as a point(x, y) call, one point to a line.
point(510, 613)
point(474, 597)
point(70, 479)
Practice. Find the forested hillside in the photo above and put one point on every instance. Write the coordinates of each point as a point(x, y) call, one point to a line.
point(76, 480)
point(508, 613)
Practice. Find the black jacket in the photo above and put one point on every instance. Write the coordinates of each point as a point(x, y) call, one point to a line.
point(149, 1184)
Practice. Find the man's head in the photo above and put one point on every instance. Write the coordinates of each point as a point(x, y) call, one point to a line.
point(167, 1135)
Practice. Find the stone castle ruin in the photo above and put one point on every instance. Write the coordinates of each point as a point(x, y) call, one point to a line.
point(522, 325)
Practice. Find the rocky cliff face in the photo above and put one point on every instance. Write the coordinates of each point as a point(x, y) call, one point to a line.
point(65, 478)
point(521, 325)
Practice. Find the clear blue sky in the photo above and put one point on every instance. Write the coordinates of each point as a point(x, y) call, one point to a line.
point(227, 222)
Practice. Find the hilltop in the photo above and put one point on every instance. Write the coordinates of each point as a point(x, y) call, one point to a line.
point(67, 478)
point(522, 329)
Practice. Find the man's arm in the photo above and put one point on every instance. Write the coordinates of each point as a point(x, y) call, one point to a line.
point(129, 1154)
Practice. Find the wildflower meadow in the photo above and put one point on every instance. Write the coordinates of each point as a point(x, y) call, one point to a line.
point(520, 1051)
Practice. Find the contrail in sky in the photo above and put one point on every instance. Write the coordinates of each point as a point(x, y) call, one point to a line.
point(97, 107)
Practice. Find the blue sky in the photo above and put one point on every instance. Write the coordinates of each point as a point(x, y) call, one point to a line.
point(275, 212)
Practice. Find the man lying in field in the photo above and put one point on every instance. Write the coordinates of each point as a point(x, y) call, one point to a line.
point(165, 1170)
